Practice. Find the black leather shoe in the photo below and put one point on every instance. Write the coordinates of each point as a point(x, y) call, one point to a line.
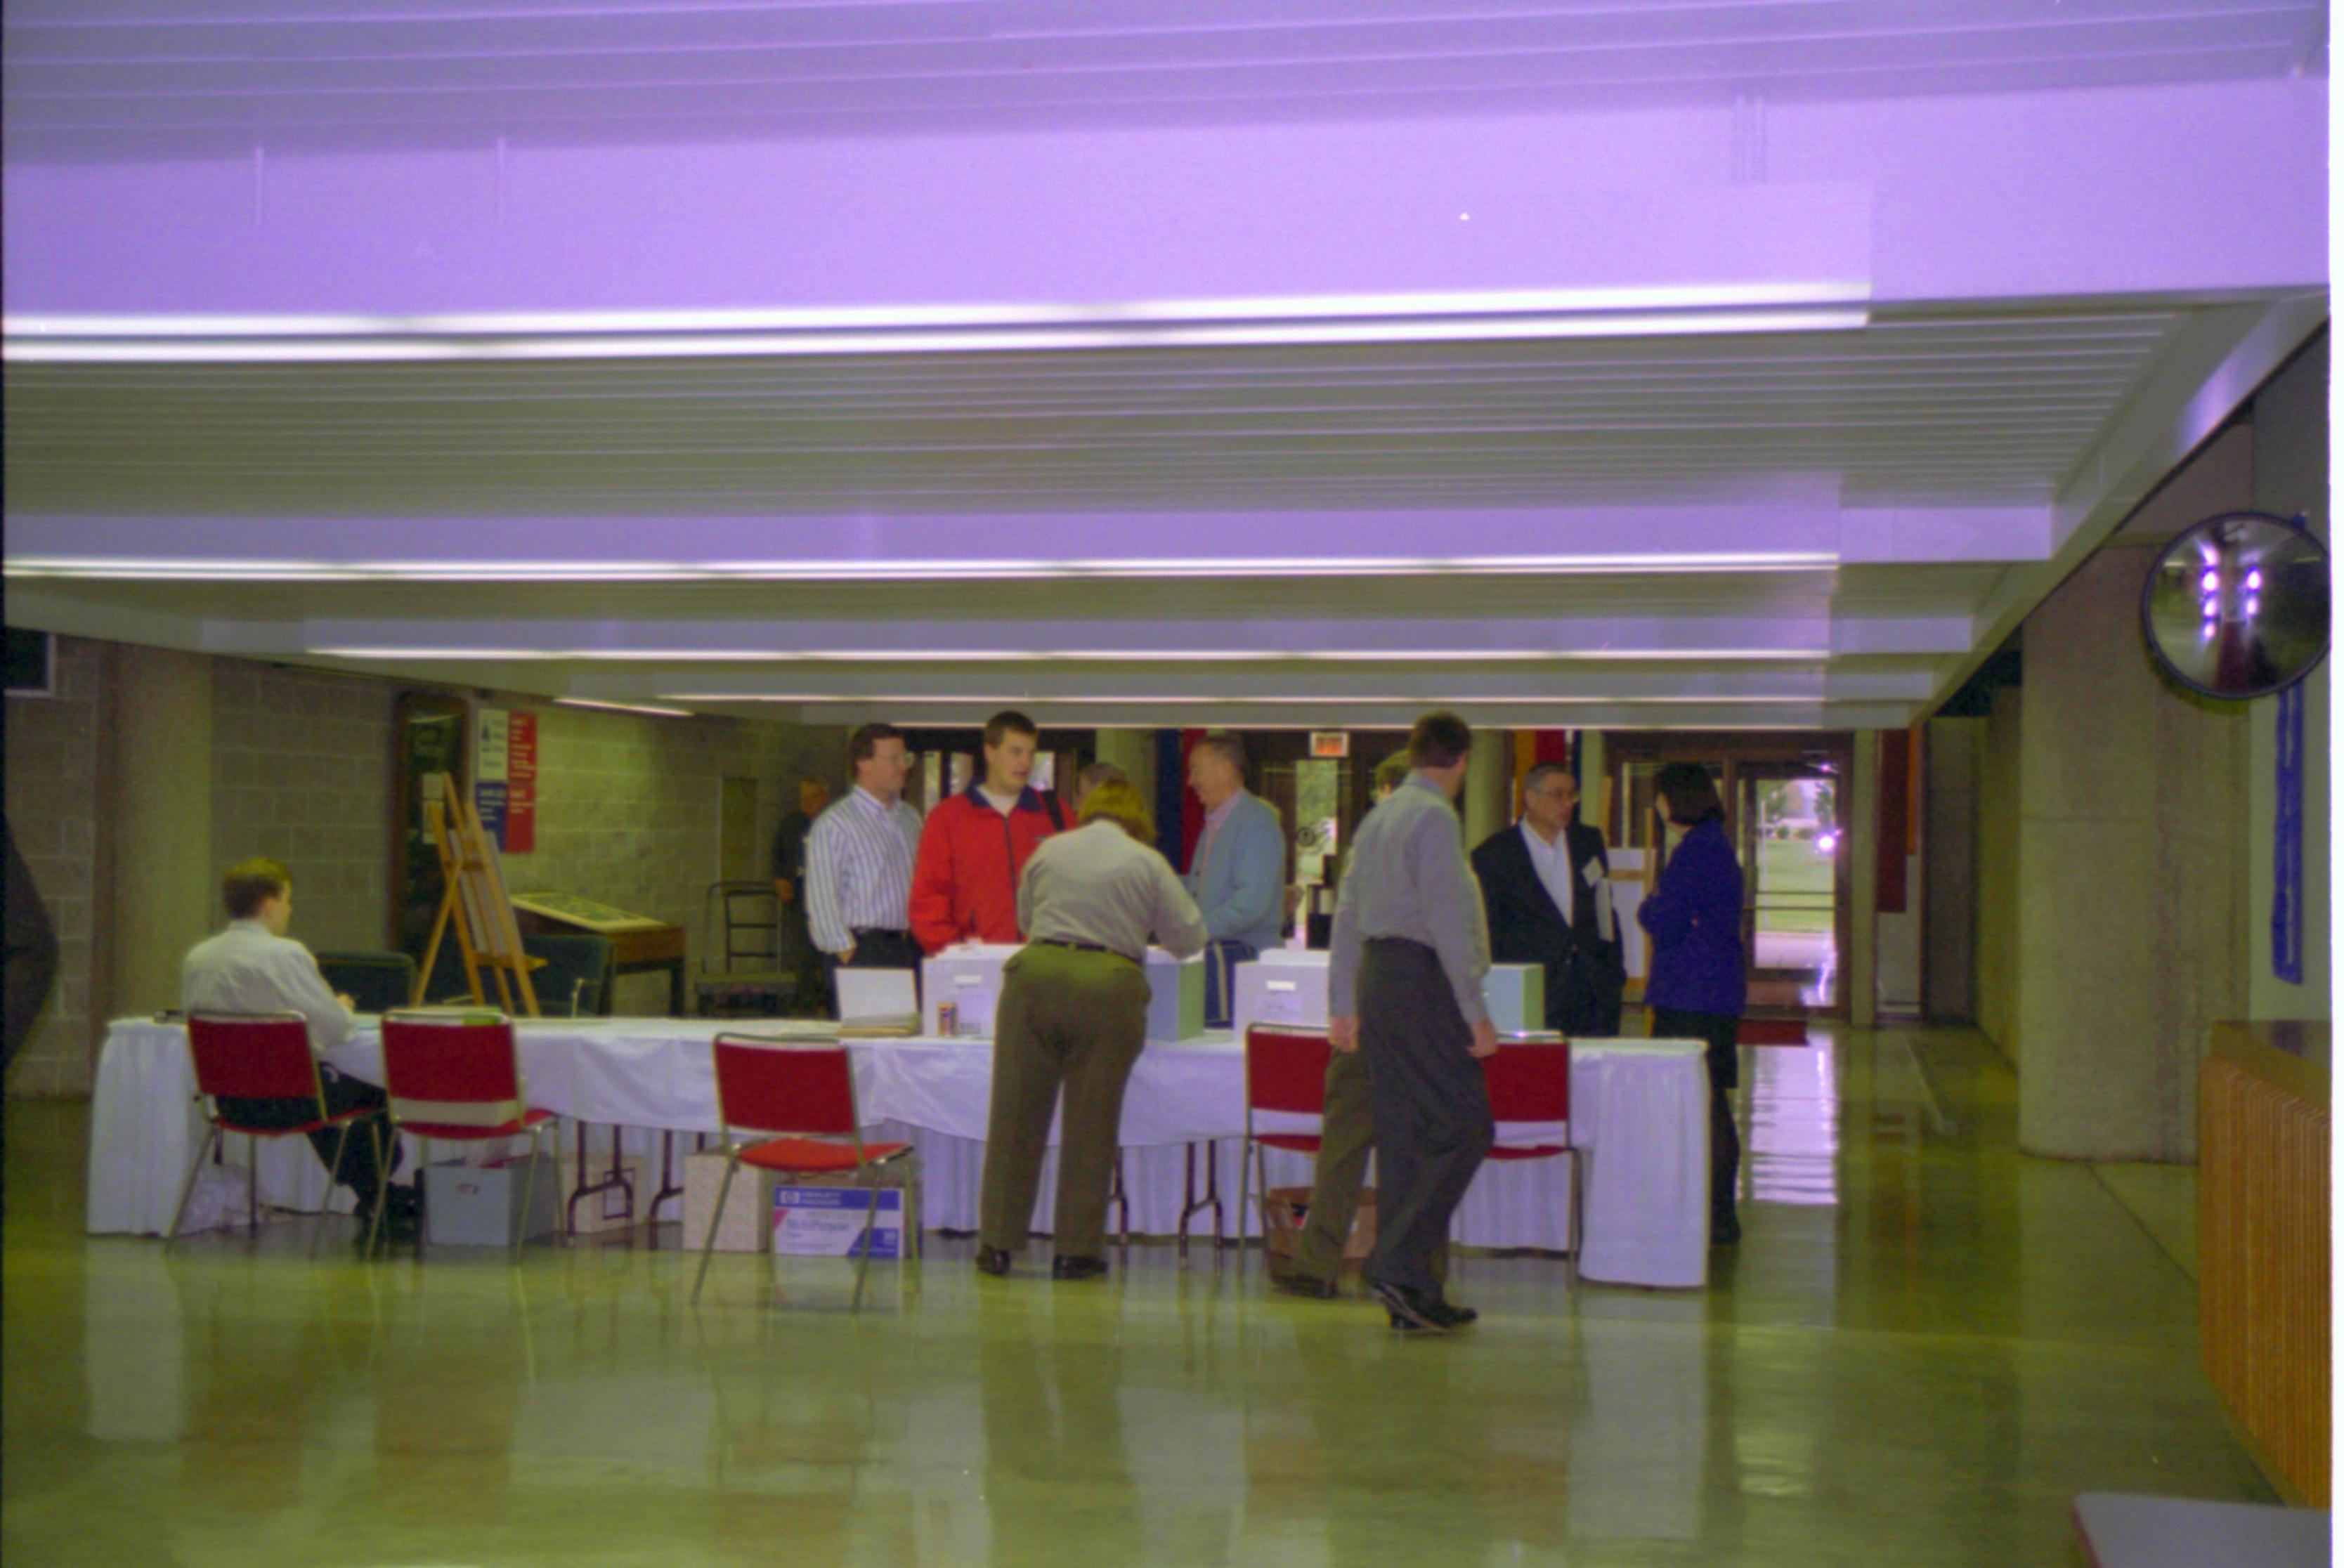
point(993, 1260)
point(1409, 1310)
point(1073, 1268)
point(1308, 1286)
point(1724, 1229)
point(1450, 1316)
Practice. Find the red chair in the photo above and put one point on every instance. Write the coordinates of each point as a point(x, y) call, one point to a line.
point(795, 1099)
point(1530, 1082)
point(261, 1056)
point(457, 1076)
point(1284, 1073)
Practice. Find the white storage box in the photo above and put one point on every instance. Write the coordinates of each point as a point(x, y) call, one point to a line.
point(479, 1205)
point(1516, 997)
point(1176, 996)
point(748, 1211)
point(1280, 993)
point(968, 978)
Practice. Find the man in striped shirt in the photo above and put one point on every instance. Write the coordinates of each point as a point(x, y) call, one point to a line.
point(858, 875)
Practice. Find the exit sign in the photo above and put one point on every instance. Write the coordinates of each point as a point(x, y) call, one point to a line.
point(1331, 743)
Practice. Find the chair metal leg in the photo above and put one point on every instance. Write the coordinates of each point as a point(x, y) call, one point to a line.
point(382, 1189)
point(1245, 1188)
point(252, 1181)
point(422, 1194)
point(528, 1188)
point(188, 1188)
point(334, 1178)
point(870, 1223)
point(708, 1246)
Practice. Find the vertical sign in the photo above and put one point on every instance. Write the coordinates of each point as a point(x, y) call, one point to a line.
point(491, 780)
point(521, 787)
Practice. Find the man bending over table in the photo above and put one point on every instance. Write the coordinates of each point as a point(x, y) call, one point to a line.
point(253, 966)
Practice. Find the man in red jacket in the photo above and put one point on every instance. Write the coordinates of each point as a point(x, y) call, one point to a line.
point(974, 845)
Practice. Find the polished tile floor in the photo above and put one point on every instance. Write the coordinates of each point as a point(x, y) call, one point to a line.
point(1924, 1348)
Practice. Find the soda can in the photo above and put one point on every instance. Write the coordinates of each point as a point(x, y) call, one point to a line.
point(947, 1018)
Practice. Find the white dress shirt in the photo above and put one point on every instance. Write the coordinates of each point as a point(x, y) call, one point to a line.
point(1553, 863)
point(246, 969)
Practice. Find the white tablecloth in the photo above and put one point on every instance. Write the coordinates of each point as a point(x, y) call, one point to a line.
point(1640, 1116)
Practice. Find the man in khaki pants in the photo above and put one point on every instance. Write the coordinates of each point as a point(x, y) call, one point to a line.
point(1073, 1012)
point(1346, 1136)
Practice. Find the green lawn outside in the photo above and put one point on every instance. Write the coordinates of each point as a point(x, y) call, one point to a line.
point(1795, 887)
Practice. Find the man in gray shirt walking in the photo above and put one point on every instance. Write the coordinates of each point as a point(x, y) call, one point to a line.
point(1404, 989)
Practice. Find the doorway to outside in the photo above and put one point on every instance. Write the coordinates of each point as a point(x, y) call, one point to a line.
point(1782, 796)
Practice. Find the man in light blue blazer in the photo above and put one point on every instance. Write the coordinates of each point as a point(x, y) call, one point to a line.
point(1238, 875)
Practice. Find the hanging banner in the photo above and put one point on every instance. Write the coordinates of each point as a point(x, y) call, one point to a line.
point(491, 760)
point(2287, 849)
point(521, 787)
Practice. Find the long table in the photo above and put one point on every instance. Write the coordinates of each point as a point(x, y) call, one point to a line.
point(1640, 1115)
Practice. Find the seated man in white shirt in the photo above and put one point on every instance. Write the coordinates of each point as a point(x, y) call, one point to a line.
point(253, 966)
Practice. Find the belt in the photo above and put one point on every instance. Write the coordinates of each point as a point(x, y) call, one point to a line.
point(880, 931)
point(1081, 947)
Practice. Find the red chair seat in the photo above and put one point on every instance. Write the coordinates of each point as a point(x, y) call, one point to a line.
point(1526, 1150)
point(1299, 1143)
point(337, 1120)
point(808, 1155)
point(458, 1130)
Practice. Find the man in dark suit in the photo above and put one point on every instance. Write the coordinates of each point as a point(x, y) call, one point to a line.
point(1544, 886)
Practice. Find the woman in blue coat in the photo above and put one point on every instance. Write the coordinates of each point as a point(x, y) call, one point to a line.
point(1697, 981)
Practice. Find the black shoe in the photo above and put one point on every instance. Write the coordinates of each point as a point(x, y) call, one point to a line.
point(1449, 1315)
point(1069, 1266)
point(1724, 1229)
point(993, 1261)
point(1308, 1286)
point(1410, 1310)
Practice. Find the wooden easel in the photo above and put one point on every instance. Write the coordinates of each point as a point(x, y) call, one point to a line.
point(486, 931)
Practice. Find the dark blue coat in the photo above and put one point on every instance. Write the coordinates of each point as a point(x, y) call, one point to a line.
point(1694, 919)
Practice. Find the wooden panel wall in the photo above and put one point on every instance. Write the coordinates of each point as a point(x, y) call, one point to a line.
point(2263, 1251)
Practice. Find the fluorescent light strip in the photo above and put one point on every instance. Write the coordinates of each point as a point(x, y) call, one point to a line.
point(897, 330)
point(371, 350)
point(926, 571)
point(1226, 702)
point(622, 707)
point(1639, 297)
point(1098, 656)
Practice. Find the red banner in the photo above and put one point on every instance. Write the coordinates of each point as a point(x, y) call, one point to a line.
point(520, 774)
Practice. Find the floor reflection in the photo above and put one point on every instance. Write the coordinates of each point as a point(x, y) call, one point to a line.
point(1922, 1348)
point(1790, 1111)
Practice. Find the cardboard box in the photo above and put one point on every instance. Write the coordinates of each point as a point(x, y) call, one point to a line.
point(479, 1205)
point(1176, 996)
point(827, 1221)
point(747, 1212)
point(1288, 1207)
point(607, 1210)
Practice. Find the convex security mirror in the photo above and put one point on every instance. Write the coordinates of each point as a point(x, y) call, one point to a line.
point(2238, 606)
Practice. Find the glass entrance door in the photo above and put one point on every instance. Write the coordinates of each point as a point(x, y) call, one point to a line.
point(1793, 844)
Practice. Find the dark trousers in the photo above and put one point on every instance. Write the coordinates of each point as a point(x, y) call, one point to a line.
point(358, 1173)
point(1722, 1032)
point(876, 949)
point(1346, 1136)
point(1071, 1017)
point(1432, 1107)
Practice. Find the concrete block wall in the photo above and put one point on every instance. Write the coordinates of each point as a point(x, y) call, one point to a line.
point(301, 773)
point(54, 781)
point(627, 812)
